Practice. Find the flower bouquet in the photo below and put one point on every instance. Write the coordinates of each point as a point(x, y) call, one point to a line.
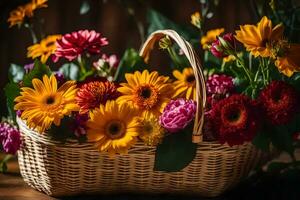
point(96, 124)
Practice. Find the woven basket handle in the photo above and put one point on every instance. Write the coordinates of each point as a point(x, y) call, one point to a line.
point(191, 55)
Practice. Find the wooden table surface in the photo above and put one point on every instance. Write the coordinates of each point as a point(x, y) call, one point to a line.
point(12, 187)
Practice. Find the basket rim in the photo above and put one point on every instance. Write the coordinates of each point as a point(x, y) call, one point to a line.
point(74, 144)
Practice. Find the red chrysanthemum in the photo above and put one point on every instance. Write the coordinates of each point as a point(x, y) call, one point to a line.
point(71, 45)
point(235, 119)
point(279, 99)
point(90, 95)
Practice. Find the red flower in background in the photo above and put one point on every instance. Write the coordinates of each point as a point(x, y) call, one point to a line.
point(279, 99)
point(90, 95)
point(235, 119)
point(74, 44)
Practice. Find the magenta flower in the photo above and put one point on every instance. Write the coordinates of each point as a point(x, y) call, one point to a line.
point(223, 45)
point(74, 44)
point(177, 115)
point(219, 87)
point(10, 138)
point(28, 67)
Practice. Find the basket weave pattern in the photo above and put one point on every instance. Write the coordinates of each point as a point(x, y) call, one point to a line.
point(69, 169)
point(72, 169)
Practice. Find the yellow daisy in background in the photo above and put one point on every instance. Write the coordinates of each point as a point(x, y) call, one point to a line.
point(151, 133)
point(44, 49)
point(289, 61)
point(185, 85)
point(113, 127)
point(18, 15)
point(196, 19)
point(258, 39)
point(229, 58)
point(148, 92)
point(45, 103)
point(210, 37)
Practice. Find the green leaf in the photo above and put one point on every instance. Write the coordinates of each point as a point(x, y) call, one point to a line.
point(175, 152)
point(11, 90)
point(38, 71)
point(130, 62)
point(262, 141)
point(65, 131)
point(70, 71)
point(158, 22)
point(16, 72)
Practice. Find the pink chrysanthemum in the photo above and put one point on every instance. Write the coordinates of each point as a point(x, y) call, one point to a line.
point(74, 44)
point(10, 138)
point(177, 115)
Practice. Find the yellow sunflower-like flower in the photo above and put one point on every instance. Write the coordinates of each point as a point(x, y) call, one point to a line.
point(113, 127)
point(229, 58)
point(196, 19)
point(258, 39)
point(150, 130)
point(147, 92)
point(210, 37)
point(45, 104)
point(44, 49)
point(288, 62)
point(18, 15)
point(185, 85)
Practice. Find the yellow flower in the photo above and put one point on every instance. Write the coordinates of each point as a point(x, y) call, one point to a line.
point(45, 103)
point(113, 127)
point(210, 37)
point(150, 130)
point(185, 86)
point(147, 92)
point(258, 39)
point(228, 59)
point(18, 15)
point(43, 49)
point(289, 61)
point(196, 19)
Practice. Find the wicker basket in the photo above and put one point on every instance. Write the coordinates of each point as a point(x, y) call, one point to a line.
point(72, 168)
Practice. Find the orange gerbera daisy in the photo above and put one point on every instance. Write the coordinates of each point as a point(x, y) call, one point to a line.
point(44, 49)
point(18, 15)
point(148, 92)
point(258, 39)
point(45, 103)
point(185, 86)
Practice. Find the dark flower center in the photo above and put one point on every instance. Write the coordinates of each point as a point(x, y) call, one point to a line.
point(276, 96)
point(146, 96)
point(234, 115)
point(115, 129)
point(146, 93)
point(190, 78)
point(50, 100)
point(264, 42)
point(50, 44)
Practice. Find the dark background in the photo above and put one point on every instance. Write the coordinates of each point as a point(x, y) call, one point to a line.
point(109, 17)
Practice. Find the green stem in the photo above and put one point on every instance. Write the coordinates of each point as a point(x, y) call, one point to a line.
point(173, 56)
point(262, 69)
point(32, 33)
point(247, 72)
point(81, 65)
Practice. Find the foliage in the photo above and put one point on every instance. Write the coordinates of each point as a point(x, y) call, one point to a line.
point(175, 152)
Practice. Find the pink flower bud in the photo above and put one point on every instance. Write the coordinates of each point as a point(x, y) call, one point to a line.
point(223, 46)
